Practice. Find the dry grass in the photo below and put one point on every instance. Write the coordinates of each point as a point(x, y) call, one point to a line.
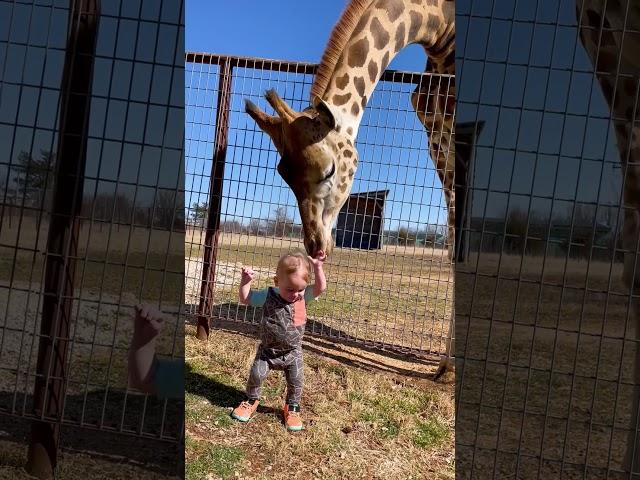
point(98, 238)
point(111, 259)
point(554, 341)
point(364, 418)
point(74, 465)
point(91, 454)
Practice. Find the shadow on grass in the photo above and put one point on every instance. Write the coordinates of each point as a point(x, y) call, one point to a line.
point(218, 393)
point(223, 317)
point(112, 409)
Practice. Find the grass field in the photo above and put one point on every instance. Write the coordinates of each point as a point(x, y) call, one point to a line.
point(111, 259)
point(553, 345)
point(367, 416)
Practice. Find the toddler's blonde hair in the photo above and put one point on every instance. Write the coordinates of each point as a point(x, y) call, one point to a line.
point(294, 261)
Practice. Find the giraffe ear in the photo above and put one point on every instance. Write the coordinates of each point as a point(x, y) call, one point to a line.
point(326, 112)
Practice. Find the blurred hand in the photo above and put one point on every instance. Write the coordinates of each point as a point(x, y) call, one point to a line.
point(319, 259)
point(147, 323)
point(247, 275)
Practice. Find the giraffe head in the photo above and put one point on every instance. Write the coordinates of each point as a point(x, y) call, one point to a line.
point(316, 161)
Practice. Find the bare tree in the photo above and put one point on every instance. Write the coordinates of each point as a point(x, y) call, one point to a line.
point(33, 176)
point(165, 210)
point(199, 213)
point(281, 224)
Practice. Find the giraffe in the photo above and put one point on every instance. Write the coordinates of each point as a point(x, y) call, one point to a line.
point(317, 145)
point(610, 34)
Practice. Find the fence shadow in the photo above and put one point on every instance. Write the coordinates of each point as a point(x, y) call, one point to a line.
point(383, 358)
point(114, 408)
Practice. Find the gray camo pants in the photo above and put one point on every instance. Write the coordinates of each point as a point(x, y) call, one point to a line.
point(290, 363)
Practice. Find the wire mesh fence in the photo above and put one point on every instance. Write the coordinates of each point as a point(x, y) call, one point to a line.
point(119, 240)
point(389, 277)
point(547, 332)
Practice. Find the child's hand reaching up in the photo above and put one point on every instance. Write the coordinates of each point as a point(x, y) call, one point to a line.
point(247, 275)
point(320, 284)
point(147, 324)
point(245, 285)
point(319, 259)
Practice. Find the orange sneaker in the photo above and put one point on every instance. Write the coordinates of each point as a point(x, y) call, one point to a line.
point(292, 417)
point(245, 410)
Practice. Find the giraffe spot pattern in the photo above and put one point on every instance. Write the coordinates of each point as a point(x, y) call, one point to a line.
point(393, 8)
point(348, 154)
point(416, 22)
point(380, 35)
point(341, 99)
point(400, 40)
point(350, 130)
point(361, 24)
point(385, 62)
point(360, 85)
point(373, 71)
point(358, 53)
point(342, 81)
point(355, 109)
point(448, 66)
point(363, 103)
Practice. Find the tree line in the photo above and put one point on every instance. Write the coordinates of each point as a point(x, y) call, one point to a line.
point(31, 184)
point(281, 224)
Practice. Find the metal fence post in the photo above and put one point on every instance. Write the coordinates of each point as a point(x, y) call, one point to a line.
point(215, 201)
point(49, 391)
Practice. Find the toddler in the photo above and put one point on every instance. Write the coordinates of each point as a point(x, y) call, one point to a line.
point(281, 330)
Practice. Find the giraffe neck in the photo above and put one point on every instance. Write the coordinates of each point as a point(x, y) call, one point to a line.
point(383, 29)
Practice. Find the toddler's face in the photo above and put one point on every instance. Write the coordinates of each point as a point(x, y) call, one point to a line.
point(291, 286)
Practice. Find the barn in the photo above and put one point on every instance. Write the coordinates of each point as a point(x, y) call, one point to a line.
point(361, 221)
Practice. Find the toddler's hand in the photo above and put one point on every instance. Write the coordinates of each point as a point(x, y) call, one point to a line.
point(147, 323)
point(247, 275)
point(319, 259)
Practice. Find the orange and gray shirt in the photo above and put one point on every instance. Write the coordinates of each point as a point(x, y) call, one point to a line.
point(282, 325)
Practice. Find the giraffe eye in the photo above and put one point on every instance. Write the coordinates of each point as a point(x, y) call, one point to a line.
point(330, 174)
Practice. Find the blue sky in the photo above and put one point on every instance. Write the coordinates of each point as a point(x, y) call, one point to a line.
point(392, 144)
point(280, 29)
